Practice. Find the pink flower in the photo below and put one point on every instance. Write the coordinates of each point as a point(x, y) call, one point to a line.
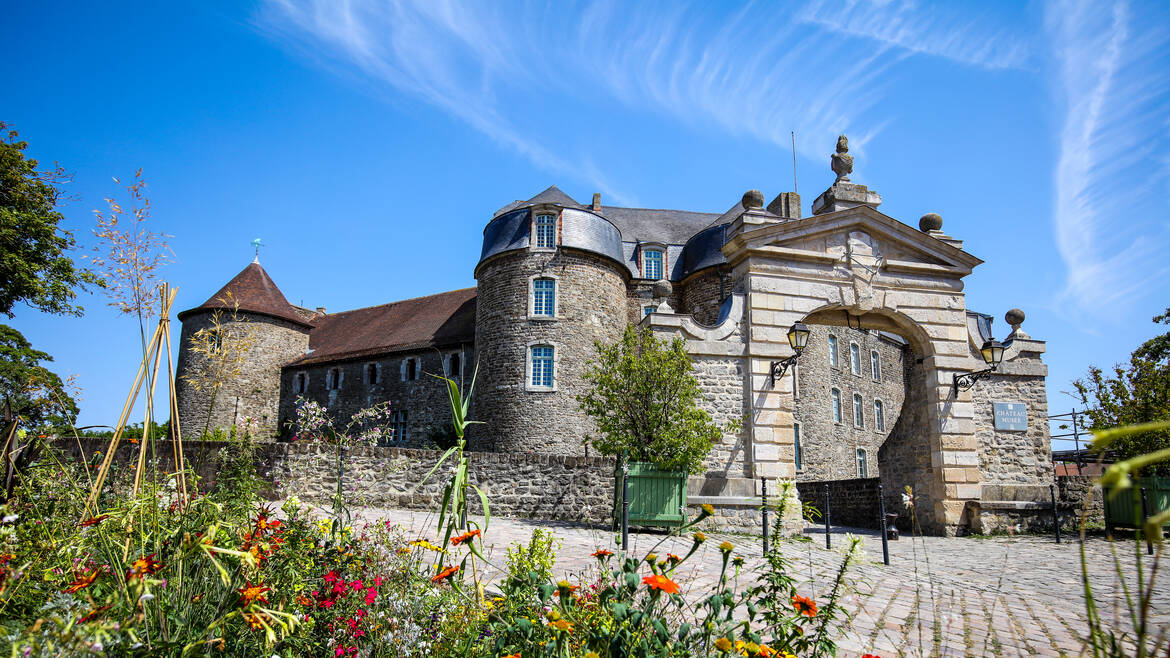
point(356, 585)
point(371, 595)
point(340, 651)
point(377, 581)
point(330, 577)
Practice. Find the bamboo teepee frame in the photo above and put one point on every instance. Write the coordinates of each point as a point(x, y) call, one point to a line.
point(150, 360)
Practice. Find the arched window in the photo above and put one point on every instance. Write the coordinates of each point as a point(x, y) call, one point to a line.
point(545, 227)
point(542, 375)
point(333, 379)
point(875, 365)
point(544, 297)
point(858, 412)
point(799, 454)
point(652, 263)
point(854, 359)
point(879, 416)
point(832, 351)
point(371, 374)
point(862, 464)
point(836, 406)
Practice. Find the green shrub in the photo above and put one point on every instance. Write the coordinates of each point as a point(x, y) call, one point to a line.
point(536, 558)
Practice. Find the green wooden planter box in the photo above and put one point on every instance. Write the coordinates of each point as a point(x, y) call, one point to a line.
point(657, 498)
point(1126, 508)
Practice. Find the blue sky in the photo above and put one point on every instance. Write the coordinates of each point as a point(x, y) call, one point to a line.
point(367, 143)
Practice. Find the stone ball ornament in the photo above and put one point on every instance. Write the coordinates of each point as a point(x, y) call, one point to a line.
point(1014, 317)
point(931, 221)
point(753, 199)
point(662, 289)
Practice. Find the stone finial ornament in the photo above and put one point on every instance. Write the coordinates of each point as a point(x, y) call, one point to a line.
point(931, 221)
point(1015, 318)
point(661, 292)
point(841, 161)
point(753, 199)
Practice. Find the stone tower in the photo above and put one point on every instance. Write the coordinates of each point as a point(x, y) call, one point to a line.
point(251, 312)
point(550, 283)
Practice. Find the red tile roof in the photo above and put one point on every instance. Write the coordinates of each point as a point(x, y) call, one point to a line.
point(445, 319)
point(255, 292)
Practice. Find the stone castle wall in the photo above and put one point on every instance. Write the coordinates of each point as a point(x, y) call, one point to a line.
point(721, 380)
point(591, 306)
point(255, 392)
point(828, 448)
point(1007, 457)
point(702, 295)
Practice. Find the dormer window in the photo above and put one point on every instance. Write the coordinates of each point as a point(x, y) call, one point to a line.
point(544, 227)
point(652, 263)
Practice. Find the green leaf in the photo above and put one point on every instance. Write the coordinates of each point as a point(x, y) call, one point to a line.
point(487, 510)
point(433, 469)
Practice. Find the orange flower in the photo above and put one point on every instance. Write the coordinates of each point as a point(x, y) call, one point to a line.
point(81, 581)
point(444, 574)
point(512, 655)
point(94, 613)
point(804, 606)
point(304, 600)
point(673, 558)
point(93, 520)
point(601, 554)
point(254, 620)
point(661, 582)
point(143, 566)
point(562, 625)
point(465, 537)
point(250, 594)
point(263, 523)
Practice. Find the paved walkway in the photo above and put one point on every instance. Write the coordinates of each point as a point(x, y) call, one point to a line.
point(998, 596)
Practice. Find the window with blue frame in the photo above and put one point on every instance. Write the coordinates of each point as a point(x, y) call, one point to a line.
point(542, 366)
point(648, 309)
point(544, 297)
point(652, 263)
point(799, 453)
point(546, 231)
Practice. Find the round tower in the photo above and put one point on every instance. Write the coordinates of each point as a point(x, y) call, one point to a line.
point(550, 284)
point(231, 351)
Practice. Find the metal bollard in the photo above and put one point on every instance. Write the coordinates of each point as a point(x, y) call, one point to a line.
point(828, 539)
point(1142, 526)
point(1055, 514)
point(882, 527)
point(625, 507)
point(764, 494)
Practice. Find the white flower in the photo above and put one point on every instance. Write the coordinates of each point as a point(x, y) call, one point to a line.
point(146, 597)
point(10, 518)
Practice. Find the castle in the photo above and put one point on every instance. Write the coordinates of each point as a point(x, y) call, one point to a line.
point(876, 392)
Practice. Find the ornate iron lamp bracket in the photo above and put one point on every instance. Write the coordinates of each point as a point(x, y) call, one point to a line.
point(780, 367)
point(966, 381)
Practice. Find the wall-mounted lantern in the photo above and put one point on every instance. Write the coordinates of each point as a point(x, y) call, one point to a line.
point(797, 339)
point(992, 353)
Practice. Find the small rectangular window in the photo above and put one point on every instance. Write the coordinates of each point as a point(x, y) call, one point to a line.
point(542, 366)
point(401, 432)
point(796, 444)
point(862, 465)
point(410, 369)
point(879, 416)
point(648, 309)
point(302, 382)
point(836, 406)
point(454, 365)
point(833, 351)
point(371, 374)
point(854, 359)
point(544, 292)
point(652, 263)
point(546, 231)
point(858, 412)
point(333, 379)
point(875, 364)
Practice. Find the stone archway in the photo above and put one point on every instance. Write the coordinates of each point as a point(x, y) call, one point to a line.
point(855, 266)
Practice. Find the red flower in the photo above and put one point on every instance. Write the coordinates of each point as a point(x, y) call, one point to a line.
point(602, 554)
point(804, 606)
point(250, 594)
point(661, 582)
point(444, 574)
point(356, 585)
point(465, 537)
point(93, 520)
point(330, 577)
point(143, 566)
point(377, 581)
point(81, 581)
point(371, 595)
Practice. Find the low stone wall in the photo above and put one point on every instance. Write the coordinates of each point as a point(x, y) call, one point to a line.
point(553, 487)
point(1029, 508)
point(853, 502)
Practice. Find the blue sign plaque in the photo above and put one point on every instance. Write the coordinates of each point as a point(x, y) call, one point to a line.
point(1011, 416)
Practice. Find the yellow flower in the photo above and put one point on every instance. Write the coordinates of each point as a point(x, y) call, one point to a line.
point(707, 509)
point(700, 538)
point(562, 625)
point(592, 654)
point(650, 557)
point(723, 644)
point(726, 547)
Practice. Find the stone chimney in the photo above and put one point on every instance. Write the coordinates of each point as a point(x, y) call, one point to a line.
point(596, 207)
point(786, 205)
point(321, 310)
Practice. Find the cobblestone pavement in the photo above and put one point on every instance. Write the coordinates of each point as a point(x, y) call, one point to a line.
point(1004, 596)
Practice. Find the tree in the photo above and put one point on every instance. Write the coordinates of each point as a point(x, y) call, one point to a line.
point(644, 398)
point(34, 266)
point(1137, 392)
point(29, 389)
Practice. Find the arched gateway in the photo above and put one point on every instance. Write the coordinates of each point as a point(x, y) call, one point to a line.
point(849, 265)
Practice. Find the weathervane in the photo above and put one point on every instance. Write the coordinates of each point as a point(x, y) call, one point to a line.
point(257, 244)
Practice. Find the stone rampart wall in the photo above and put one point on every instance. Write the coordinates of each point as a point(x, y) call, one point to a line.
point(852, 502)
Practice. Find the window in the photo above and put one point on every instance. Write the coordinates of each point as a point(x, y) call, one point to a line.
point(858, 412)
point(832, 351)
point(398, 418)
point(854, 359)
point(799, 458)
point(879, 416)
point(875, 365)
point(302, 383)
point(333, 379)
point(836, 406)
point(546, 231)
point(454, 365)
point(410, 368)
point(648, 309)
point(542, 366)
point(544, 297)
point(371, 374)
point(652, 263)
point(862, 465)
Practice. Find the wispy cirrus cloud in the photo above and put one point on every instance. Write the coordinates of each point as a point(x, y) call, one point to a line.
point(761, 71)
point(1112, 177)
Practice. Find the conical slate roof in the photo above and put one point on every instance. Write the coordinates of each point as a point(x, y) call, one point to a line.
point(255, 292)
